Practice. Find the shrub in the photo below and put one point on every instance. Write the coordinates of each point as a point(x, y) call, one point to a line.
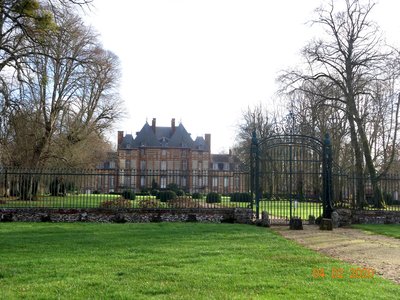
point(197, 195)
point(144, 192)
point(241, 197)
point(167, 195)
point(118, 203)
point(149, 203)
point(213, 197)
point(96, 192)
point(154, 192)
point(175, 188)
point(128, 195)
point(172, 187)
point(180, 192)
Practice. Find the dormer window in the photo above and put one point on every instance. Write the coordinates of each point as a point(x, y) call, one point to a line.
point(163, 141)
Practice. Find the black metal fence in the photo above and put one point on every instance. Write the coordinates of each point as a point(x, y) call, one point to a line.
point(345, 192)
point(115, 188)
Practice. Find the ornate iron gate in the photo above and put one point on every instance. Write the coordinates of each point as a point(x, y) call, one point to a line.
point(291, 176)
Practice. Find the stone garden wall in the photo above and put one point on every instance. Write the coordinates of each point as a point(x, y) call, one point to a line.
point(348, 217)
point(231, 215)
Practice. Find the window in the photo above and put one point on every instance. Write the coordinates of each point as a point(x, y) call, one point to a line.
point(215, 182)
point(184, 181)
point(143, 181)
point(226, 182)
point(237, 182)
point(184, 165)
point(163, 183)
point(127, 181)
point(164, 153)
point(112, 182)
point(142, 165)
point(127, 164)
point(163, 165)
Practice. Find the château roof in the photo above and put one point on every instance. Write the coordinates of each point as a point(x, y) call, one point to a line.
point(169, 137)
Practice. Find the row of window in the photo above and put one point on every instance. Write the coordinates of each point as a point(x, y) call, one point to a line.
point(197, 165)
point(182, 181)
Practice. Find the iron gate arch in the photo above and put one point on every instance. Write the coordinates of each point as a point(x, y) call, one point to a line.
point(291, 176)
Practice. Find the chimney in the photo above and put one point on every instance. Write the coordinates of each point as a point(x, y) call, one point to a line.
point(153, 125)
point(207, 137)
point(120, 138)
point(173, 126)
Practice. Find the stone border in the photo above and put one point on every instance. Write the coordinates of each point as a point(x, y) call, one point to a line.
point(215, 215)
point(351, 216)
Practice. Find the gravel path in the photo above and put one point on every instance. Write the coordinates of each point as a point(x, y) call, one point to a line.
point(352, 245)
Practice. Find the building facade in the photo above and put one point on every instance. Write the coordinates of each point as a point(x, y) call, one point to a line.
point(158, 156)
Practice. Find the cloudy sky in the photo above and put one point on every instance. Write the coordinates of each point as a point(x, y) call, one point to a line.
point(203, 62)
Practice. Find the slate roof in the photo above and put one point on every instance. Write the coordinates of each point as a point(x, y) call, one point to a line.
point(232, 160)
point(163, 137)
point(200, 143)
point(127, 142)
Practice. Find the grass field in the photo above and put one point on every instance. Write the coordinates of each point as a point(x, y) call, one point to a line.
point(392, 230)
point(281, 209)
point(169, 261)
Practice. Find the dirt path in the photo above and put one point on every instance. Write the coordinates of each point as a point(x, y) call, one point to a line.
point(352, 245)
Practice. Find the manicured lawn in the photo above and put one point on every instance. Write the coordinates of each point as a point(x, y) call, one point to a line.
point(392, 230)
point(169, 261)
point(281, 209)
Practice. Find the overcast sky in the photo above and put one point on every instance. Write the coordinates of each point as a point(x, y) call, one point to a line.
point(204, 62)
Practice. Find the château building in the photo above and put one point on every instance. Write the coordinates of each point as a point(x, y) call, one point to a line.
point(161, 155)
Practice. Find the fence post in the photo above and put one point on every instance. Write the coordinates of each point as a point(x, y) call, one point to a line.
point(254, 173)
point(327, 178)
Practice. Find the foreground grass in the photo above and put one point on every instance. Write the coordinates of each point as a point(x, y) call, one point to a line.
point(168, 261)
point(392, 230)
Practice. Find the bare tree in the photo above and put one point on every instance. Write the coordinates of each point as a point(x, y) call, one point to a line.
point(71, 91)
point(27, 20)
point(257, 119)
point(352, 60)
